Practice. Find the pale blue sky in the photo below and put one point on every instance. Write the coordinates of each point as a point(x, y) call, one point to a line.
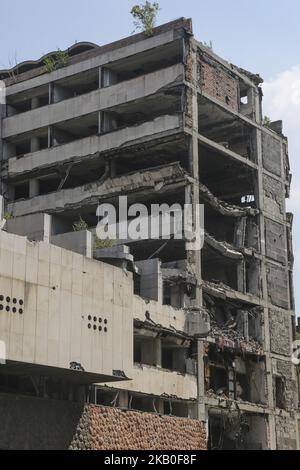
point(262, 36)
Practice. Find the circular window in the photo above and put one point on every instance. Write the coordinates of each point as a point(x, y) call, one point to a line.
point(7, 308)
point(14, 300)
point(105, 330)
point(100, 328)
point(14, 309)
point(7, 299)
point(21, 311)
point(89, 326)
point(21, 302)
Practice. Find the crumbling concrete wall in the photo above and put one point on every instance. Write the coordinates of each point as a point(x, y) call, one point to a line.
point(273, 196)
point(275, 240)
point(277, 282)
point(283, 369)
point(280, 329)
point(285, 433)
point(271, 153)
point(217, 81)
point(103, 428)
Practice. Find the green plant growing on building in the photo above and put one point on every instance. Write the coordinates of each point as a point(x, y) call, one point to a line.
point(62, 59)
point(99, 243)
point(80, 225)
point(266, 121)
point(57, 61)
point(145, 17)
point(7, 216)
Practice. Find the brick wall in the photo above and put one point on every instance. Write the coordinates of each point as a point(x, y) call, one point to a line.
point(217, 81)
point(103, 428)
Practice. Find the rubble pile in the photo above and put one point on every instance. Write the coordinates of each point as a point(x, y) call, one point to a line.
point(102, 428)
point(229, 338)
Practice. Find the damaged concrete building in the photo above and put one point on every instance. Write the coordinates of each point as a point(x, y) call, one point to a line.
point(173, 348)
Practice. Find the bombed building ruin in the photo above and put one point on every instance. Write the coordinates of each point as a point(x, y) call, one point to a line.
point(167, 346)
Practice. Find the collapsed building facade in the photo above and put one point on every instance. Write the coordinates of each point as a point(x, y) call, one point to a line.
point(147, 335)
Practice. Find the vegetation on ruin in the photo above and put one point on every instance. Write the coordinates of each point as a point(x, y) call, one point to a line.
point(79, 225)
point(266, 121)
point(99, 243)
point(145, 17)
point(57, 61)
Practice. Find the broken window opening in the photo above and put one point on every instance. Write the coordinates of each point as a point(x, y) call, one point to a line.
point(222, 128)
point(21, 191)
point(248, 199)
point(236, 431)
point(106, 397)
point(22, 148)
point(233, 376)
point(280, 400)
point(173, 408)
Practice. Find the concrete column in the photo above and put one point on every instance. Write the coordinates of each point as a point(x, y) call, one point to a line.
point(35, 102)
point(112, 167)
point(9, 150)
point(179, 358)
point(157, 352)
point(160, 406)
point(34, 187)
point(123, 399)
point(201, 382)
point(151, 279)
point(34, 144)
point(1, 212)
point(89, 244)
point(107, 77)
point(47, 228)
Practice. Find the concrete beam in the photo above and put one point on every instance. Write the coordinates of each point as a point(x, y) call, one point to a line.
point(93, 146)
point(104, 58)
point(90, 194)
point(101, 99)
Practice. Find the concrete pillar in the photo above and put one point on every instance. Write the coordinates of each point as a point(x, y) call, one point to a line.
point(179, 358)
point(47, 228)
point(157, 352)
point(160, 406)
point(34, 144)
point(112, 168)
point(59, 93)
point(2, 223)
point(107, 122)
point(89, 244)
point(151, 352)
point(34, 187)
point(123, 399)
point(201, 381)
point(107, 77)
point(151, 279)
point(9, 150)
point(35, 102)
